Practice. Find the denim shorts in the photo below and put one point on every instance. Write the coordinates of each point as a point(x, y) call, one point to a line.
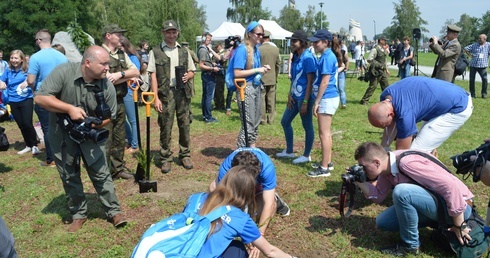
point(329, 106)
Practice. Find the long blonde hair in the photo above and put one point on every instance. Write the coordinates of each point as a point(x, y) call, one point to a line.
point(236, 189)
point(22, 57)
point(250, 47)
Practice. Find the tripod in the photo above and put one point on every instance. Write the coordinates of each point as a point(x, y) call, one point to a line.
point(416, 67)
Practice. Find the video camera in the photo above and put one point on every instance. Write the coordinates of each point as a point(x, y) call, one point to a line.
point(82, 131)
point(235, 39)
point(464, 165)
point(354, 174)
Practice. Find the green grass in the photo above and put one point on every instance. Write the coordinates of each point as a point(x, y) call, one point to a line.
point(33, 205)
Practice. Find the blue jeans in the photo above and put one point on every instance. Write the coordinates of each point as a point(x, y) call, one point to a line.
point(404, 73)
point(131, 126)
point(341, 84)
point(306, 120)
point(208, 87)
point(43, 116)
point(413, 207)
point(229, 96)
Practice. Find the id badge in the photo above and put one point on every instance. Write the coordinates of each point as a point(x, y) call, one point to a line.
point(480, 55)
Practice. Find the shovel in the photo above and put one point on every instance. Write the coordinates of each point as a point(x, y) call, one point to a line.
point(134, 86)
point(146, 185)
point(240, 84)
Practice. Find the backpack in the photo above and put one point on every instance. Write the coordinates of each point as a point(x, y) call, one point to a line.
point(180, 235)
point(4, 141)
point(448, 240)
point(461, 64)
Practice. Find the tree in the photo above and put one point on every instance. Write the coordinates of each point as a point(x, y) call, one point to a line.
point(245, 11)
point(484, 23)
point(442, 32)
point(407, 17)
point(290, 19)
point(321, 21)
point(470, 29)
point(309, 20)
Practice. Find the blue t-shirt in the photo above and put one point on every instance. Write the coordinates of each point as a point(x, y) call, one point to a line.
point(327, 65)
point(266, 180)
point(43, 62)
point(418, 99)
point(236, 223)
point(134, 59)
point(300, 67)
point(239, 60)
point(13, 79)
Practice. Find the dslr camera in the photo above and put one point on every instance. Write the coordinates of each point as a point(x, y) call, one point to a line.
point(464, 164)
point(235, 39)
point(82, 131)
point(354, 174)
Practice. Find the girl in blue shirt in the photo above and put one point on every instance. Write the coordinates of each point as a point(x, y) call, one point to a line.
point(131, 126)
point(303, 68)
point(245, 63)
point(237, 189)
point(326, 97)
point(21, 99)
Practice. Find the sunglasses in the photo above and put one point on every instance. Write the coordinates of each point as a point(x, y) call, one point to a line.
point(259, 34)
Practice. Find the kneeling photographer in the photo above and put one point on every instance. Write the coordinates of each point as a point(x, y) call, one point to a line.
point(81, 100)
point(415, 178)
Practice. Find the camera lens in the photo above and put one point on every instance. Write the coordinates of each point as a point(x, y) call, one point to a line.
point(431, 40)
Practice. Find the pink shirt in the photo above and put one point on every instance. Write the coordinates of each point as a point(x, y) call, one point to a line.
point(427, 174)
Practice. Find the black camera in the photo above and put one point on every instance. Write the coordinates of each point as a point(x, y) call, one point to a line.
point(235, 39)
point(464, 164)
point(82, 131)
point(354, 174)
point(431, 40)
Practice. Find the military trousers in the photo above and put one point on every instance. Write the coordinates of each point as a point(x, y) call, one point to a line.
point(373, 83)
point(175, 103)
point(268, 104)
point(117, 139)
point(99, 174)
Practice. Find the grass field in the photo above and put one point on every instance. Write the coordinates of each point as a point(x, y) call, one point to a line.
point(33, 205)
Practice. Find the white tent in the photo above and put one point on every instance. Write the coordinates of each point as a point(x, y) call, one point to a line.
point(225, 30)
point(277, 32)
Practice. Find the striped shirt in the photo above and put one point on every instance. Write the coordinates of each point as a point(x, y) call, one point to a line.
point(479, 54)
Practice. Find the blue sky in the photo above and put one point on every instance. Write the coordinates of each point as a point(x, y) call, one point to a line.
point(364, 11)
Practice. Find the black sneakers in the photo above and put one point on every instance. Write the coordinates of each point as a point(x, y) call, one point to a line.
point(282, 208)
point(399, 249)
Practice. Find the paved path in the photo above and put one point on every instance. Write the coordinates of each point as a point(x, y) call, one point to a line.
point(427, 71)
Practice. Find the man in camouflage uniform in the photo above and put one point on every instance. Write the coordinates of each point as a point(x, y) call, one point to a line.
point(377, 68)
point(172, 97)
point(121, 69)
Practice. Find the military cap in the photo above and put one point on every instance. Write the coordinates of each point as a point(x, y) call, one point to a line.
point(185, 43)
point(267, 34)
point(170, 25)
point(112, 28)
point(382, 37)
point(453, 28)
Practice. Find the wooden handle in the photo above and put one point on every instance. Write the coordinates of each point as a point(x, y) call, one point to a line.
point(240, 84)
point(148, 98)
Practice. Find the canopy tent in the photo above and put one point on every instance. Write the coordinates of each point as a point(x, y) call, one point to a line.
point(225, 30)
point(277, 32)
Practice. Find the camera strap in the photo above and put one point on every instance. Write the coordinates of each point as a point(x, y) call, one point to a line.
point(351, 189)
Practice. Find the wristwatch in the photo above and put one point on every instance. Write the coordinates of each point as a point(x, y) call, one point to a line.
point(123, 74)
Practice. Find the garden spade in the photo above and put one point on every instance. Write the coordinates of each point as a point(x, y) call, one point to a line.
point(240, 84)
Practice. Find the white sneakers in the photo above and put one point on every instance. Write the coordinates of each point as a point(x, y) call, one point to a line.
point(284, 154)
point(24, 151)
point(301, 159)
point(34, 149)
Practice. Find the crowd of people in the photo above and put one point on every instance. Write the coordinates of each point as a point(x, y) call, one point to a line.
point(247, 177)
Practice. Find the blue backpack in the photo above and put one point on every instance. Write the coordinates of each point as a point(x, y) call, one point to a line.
point(180, 235)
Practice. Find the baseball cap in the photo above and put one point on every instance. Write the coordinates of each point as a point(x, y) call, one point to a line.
point(300, 35)
point(267, 34)
point(170, 25)
point(453, 28)
point(321, 35)
point(112, 28)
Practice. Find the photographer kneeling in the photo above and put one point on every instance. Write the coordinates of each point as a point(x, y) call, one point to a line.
point(411, 177)
point(73, 92)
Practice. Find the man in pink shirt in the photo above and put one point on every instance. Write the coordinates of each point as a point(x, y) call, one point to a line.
point(413, 205)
